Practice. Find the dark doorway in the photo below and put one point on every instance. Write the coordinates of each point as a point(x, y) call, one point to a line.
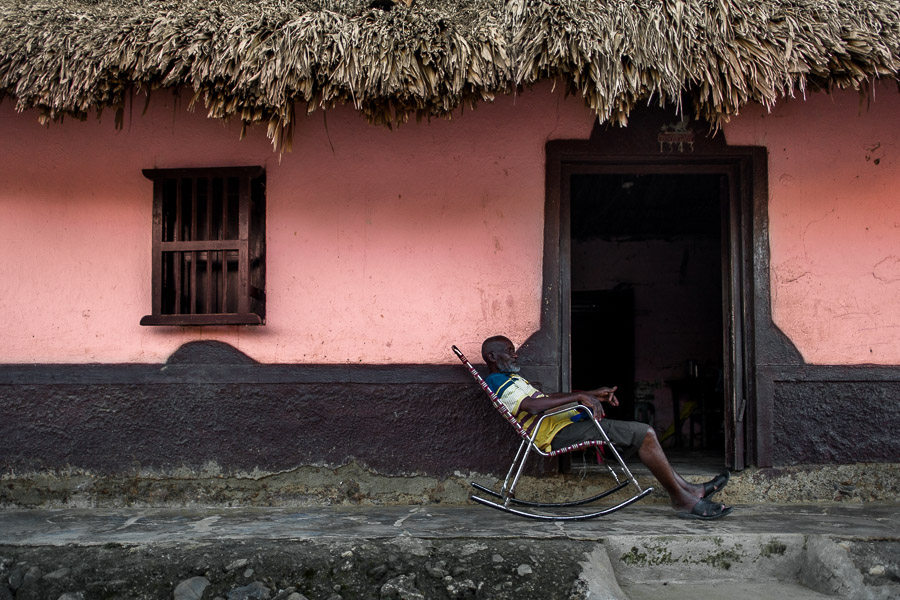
point(647, 299)
point(603, 344)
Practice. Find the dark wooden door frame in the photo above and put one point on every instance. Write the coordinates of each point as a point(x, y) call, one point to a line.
point(745, 170)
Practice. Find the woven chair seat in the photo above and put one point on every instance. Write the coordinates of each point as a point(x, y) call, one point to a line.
point(600, 444)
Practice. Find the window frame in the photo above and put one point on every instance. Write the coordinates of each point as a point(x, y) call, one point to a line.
point(249, 244)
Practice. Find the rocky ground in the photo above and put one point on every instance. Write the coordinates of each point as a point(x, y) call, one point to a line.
point(288, 570)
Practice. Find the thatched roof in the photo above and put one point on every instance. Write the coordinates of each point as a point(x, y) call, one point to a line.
point(253, 60)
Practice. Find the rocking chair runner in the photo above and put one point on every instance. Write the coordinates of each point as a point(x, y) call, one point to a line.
point(507, 492)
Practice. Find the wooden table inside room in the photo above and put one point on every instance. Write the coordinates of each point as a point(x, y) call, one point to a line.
point(691, 389)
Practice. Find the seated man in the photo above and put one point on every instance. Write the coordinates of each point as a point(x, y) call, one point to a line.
point(690, 500)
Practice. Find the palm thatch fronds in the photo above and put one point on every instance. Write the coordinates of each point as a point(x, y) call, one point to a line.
point(254, 60)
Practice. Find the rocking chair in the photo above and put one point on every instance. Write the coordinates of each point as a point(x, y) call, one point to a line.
point(506, 496)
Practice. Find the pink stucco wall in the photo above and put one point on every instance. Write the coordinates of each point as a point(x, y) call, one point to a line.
point(834, 216)
point(388, 246)
point(383, 246)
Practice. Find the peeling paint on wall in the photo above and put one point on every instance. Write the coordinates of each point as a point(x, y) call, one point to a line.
point(834, 223)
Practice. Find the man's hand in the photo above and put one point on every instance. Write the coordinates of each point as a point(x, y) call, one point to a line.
point(593, 401)
point(605, 394)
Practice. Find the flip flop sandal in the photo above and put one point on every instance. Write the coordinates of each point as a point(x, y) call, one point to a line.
point(706, 511)
point(715, 485)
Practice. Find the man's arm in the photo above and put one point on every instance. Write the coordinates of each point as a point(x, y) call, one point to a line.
point(540, 404)
point(535, 404)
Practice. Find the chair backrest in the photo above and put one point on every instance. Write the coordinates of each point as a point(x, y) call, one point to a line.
point(501, 408)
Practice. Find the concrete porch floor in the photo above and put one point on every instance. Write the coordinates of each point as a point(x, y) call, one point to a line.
point(846, 550)
point(355, 485)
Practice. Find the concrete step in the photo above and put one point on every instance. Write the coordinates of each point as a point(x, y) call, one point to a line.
point(721, 590)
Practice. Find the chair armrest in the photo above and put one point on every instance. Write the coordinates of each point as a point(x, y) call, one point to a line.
point(555, 411)
point(564, 408)
point(561, 409)
point(568, 406)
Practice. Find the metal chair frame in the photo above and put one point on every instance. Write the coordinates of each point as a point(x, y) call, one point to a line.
point(506, 496)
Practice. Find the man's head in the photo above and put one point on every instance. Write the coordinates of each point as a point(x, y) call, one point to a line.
point(500, 355)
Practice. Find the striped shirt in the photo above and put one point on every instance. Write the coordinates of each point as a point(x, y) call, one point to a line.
point(512, 390)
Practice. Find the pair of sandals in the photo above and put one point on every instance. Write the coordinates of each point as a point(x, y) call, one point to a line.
point(705, 509)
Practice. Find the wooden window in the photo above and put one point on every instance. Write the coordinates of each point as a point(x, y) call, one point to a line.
point(209, 246)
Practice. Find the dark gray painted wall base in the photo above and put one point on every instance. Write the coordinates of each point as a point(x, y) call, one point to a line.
point(834, 415)
point(108, 428)
point(211, 404)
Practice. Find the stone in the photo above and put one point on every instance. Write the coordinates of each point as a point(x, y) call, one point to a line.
point(285, 593)
point(248, 573)
point(472, 548)
point(523, 570)
point(58, 574)
point(253, 591)
point(31, 575)
point(378, 572)
point(436, 570)
point(238, 564)
point(401, 588)
point(191, 589)
point(16, 576)
point(297, 596)
point(462, 589)
point(72, 596)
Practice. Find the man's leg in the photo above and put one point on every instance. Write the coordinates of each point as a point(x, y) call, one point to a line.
point(684, 495)
point(630, 434)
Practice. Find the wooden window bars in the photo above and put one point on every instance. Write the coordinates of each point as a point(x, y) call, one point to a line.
point(209, 240)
